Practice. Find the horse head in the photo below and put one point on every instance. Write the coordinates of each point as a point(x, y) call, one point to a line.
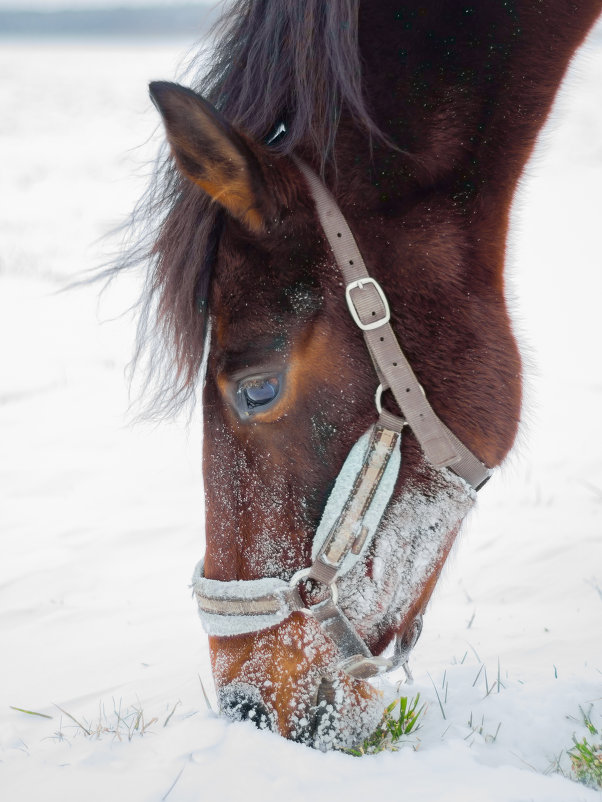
point(289, 389)
point(329, 516)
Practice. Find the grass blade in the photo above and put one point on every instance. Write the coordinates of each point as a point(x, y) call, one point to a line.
point(438, 698)
point(79, 724)
point(29, 712)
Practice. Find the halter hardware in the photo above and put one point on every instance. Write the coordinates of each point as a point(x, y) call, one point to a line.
point(391, 419)
point(363, 487)
point(359, 284)
point(304, 574)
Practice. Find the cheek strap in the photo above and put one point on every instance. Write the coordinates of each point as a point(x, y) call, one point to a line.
point(356, 504)
point(369, 308)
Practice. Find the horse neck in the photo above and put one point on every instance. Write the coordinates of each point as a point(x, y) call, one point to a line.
point(462, 92)
point(462, 98)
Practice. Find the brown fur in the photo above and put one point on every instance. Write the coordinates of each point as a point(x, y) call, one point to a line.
point(289, 674)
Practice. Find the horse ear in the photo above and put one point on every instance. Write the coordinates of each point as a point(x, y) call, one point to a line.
point(212, 154)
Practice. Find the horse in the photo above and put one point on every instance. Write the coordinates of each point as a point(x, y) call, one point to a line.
point(326, 260)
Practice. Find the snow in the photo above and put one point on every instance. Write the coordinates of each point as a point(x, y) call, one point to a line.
point(416, 533)
point(102, 521)
point(62, 5)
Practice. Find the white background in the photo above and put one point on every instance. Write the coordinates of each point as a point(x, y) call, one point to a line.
point(101, 522)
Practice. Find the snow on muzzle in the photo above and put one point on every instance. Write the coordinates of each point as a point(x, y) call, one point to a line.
point(287, 678)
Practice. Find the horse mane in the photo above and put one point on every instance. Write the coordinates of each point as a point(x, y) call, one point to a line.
point(294, 62)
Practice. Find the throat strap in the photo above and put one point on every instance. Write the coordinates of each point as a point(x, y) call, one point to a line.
point(370, 310)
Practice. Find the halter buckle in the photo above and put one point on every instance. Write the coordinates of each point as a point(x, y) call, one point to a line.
point(359, 285)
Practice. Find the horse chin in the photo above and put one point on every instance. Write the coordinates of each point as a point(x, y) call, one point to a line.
point(286, 679)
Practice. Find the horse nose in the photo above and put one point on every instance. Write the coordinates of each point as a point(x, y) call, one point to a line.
point(241, 702)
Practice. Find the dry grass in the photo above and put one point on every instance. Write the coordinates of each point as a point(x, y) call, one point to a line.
point(120, 724)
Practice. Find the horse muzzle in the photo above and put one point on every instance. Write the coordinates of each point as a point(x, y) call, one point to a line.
point(296, 662)
point(287, 679)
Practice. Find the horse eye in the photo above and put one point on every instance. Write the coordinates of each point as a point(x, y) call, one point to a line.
point(258, 393)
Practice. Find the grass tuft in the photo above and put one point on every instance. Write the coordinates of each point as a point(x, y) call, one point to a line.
point(121, 724)
point(586, 762)
point(400, 719)
point(586, 755)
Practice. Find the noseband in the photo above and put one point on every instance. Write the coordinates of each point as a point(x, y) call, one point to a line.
point(363, 487)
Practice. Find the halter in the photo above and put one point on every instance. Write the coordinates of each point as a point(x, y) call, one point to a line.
point(363, 487)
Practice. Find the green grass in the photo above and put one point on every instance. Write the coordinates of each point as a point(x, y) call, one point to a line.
point(586, 755)
point(400, 719)
point(29, 712)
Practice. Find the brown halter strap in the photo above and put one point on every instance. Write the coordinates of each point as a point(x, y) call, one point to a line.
point(370, 310)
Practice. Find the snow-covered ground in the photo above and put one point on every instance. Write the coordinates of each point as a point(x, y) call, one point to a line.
point(101, 522)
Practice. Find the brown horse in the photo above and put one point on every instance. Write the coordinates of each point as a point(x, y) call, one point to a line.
point(419, 116)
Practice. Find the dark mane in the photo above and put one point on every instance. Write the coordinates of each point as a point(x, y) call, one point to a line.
point(290, 62)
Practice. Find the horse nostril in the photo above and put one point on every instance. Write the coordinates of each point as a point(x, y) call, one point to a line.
point(325, 693)
point(323, 728)
point(243, 703)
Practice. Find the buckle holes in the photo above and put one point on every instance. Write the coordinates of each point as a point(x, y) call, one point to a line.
point(394, 364)
point(339, 234)
point(382, 339)
point(373, 314)
point(351, 261)
point(407, 389)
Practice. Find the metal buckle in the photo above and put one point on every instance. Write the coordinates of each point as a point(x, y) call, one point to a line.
point(359, 285)
point(299, 576)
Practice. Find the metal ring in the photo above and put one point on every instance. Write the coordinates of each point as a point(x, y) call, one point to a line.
point(377, 398)
point(379, 408)
point(303, 573)
point(298, 576)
